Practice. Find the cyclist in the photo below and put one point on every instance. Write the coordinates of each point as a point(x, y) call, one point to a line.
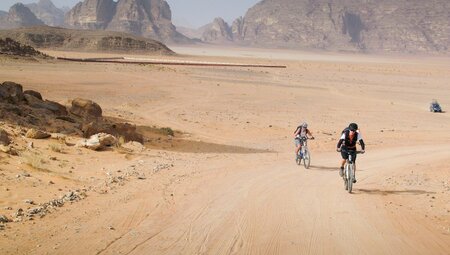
point(347, 145)
point(300, 133)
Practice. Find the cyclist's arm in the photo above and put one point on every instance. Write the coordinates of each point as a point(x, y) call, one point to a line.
point(340, 143)
point(297, 131)
point(309, 133)
point(363, 145)
point(341, 140)
point(361, 142)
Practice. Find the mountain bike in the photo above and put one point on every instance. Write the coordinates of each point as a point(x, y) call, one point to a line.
point(349, 170)
point(304, 154)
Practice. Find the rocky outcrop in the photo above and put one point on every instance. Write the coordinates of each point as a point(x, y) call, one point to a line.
point(43, 117)
point(125, 130)
point(4, 138)
point(85, 108)
point(83, 40)
point(217, 31)
point(350, 25)
point(19, 16)
point(9, 46)
point(98, 142)
point(51, 106)
point(148, 18)
point(46, 11)
point(37, 134)
point(11, 92)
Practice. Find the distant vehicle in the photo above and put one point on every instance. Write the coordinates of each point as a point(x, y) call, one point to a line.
point(435, 107)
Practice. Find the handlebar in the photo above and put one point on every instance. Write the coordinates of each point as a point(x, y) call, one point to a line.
point(305, 138)
point(355, 152)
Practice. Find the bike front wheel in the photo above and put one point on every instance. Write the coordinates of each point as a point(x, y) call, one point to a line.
point(350, 178)
point(345, 177)
point(306, 159)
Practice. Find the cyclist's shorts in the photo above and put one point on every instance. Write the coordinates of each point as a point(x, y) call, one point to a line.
point(344, 154)
point(297, 142)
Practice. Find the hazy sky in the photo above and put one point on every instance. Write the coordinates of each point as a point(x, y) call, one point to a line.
point(189, 13)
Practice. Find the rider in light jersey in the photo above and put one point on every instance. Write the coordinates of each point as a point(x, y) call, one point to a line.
point(301, 132)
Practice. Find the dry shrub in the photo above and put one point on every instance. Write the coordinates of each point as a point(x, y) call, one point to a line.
point(56, 148)
point(34, 160)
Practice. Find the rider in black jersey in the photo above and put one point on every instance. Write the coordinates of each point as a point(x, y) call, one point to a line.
point(347, 145)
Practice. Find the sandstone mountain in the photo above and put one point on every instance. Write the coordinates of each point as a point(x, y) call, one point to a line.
point(348, 25)
point(148, 18)
point(217, 31)
point(18, 16)
point(91, 14)
point(46, 11)
point(45, 37)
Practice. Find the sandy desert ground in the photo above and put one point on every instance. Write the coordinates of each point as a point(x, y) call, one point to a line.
point(227, 183)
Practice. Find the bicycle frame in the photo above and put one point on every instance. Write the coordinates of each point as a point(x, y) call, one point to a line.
point(304, 152)
point(349, 171)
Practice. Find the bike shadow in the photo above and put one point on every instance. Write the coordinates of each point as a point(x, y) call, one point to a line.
point(391, 192)
point(324, 168)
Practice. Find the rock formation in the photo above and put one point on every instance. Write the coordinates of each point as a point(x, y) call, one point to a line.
point(42, 117)
point(148, 18)
point(91, 14)
point(46, 11)
point(13, 48)
point(19, 16)
point(346, 25)
point(218, 30)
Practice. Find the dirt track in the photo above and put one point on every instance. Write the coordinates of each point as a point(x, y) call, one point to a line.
point(260, 202)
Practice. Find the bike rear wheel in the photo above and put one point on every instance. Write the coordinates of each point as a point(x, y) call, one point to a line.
point(306, 159)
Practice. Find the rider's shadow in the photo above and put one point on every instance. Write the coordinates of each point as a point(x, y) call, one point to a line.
point(391, 192)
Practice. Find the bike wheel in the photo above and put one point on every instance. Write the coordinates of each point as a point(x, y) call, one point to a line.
point(306, 159)
point(345, 176)
point(350, 178)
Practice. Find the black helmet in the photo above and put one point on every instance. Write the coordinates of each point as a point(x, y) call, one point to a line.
point(353, 126)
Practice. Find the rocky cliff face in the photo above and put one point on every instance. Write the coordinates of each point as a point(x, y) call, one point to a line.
point(371, 25)
point(149, 18)
point(217, 31)
point(91, 14)
point(19, 16)
point(46, 11)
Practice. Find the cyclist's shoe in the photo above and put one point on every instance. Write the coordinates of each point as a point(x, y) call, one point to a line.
point(354, 180)
point(341, 171)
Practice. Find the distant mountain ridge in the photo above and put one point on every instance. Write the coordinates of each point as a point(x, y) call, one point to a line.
point(349, 25)
point(18, 16)
point(46, 11)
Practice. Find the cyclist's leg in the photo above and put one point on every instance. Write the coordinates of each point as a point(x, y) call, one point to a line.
point(298, 146)
point(344, 156)
point(354, 165)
